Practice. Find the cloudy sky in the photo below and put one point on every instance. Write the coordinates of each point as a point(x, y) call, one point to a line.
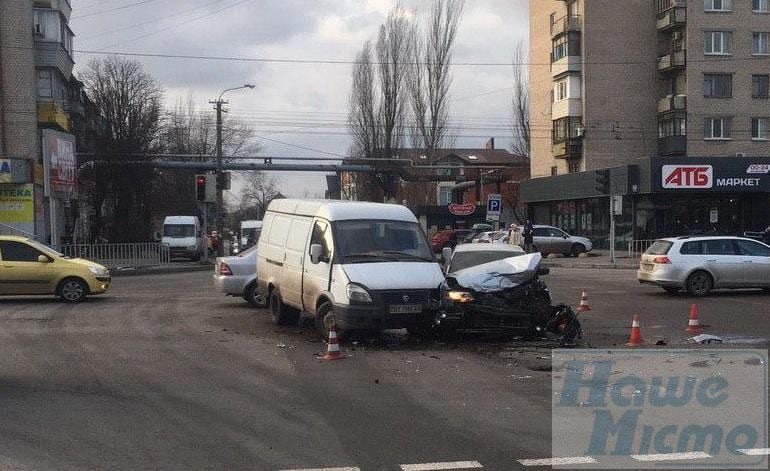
point(302, 105)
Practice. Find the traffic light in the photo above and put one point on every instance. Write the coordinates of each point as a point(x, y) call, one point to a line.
point(603, 181)
point(200, 187)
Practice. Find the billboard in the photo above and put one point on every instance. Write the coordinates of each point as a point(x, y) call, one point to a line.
point(711, 174)
point(59, 161)
point(17, 204)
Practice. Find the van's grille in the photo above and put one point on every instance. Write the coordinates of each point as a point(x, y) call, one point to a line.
point(397, 297)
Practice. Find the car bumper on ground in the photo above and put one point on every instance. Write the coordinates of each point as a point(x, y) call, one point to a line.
point(231, 285)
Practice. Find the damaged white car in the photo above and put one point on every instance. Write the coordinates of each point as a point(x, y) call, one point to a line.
point(506, 294)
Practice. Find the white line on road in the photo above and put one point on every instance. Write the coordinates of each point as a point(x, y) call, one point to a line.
point(439, 466)
point(754, 451)
point(692, 455)
point(558, 461)
point(324, 469)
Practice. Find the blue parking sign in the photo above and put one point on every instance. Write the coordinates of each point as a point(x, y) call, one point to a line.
point(494, 207)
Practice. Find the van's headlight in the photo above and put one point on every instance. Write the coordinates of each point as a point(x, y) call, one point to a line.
point(98, 271)
point(358, 293)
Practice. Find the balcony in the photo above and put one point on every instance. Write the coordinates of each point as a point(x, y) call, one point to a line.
point(53, 54)
point(565, 24)
point(50, 114)
point(567, 107)
point(569, 149)
point(672, 103)
point(670, 62)
point(61, 5)
point(672, 145)
point(665, 5)
point(671, 19)
point(566, 64)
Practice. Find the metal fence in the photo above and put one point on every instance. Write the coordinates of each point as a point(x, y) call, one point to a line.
point(637, 247)
point(121, 255)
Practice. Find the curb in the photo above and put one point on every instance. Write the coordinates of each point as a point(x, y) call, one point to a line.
point(159, 270)
point(592, 266)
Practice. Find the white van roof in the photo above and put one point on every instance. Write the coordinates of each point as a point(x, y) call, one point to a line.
point(180, 220)
point(335, 210)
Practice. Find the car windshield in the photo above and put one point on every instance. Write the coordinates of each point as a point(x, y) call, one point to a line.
point(659, 247)
point(363, 241)
point(463, 260)
point(178, 230)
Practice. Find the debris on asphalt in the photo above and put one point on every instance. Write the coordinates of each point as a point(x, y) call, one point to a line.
point(435, 357)
point(281, 345)
point(660, 343)
point(706, 338)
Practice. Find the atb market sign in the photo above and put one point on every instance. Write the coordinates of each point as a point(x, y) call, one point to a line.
point(714, 174)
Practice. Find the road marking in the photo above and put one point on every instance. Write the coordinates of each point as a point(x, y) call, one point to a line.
point(692, 455)
point(558, 461)
point(439, 466)
point(324, 469)
point(754, 451)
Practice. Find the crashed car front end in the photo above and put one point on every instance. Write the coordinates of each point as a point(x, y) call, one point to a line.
point(506, 295)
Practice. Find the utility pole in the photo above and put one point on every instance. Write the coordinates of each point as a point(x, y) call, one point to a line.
point(219, 209)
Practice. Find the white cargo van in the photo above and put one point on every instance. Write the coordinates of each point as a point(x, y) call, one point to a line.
point(250, 231)
point(366, 265)
point(183, 236)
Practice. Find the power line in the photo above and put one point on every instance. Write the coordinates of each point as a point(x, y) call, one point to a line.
point(123, 7)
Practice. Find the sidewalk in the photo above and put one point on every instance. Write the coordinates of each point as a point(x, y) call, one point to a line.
point(595, 259)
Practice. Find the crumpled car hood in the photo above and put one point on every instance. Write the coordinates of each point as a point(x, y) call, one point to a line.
point(498, 275)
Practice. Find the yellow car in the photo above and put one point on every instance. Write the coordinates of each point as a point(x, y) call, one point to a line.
point(29, 267)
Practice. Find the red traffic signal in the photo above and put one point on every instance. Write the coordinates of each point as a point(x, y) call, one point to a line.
point(200, 187)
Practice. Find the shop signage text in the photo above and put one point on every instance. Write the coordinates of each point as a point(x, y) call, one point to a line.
point(462, 209)
point(688, 176)
point(712, 174)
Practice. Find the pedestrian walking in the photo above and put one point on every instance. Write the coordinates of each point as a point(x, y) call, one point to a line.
point(514, 236)
point(529, 237)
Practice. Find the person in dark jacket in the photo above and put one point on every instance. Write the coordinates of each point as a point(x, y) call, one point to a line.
point(529, 237)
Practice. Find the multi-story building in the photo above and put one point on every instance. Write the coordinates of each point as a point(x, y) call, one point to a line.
point(669, 96)
point(38, 94)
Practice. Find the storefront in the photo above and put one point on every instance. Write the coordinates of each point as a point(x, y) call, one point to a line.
point(662, 197)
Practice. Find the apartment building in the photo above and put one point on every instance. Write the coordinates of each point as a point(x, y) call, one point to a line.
point(39, 102)
point(652, 92)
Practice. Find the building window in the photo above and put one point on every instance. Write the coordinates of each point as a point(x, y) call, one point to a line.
point(759, 44)
point(566, 128)
point(444, 195)
point(718, 42)
point(717, 128)
point(561, 90)
point(44, 84)
point(672, 124)
point(566, 45)
point(554, 171)
point(759, 129)
point(573, 166)
point(718, 5)
point(760, 86)
point(717, 85)
point(48, 25)
point(760, 6)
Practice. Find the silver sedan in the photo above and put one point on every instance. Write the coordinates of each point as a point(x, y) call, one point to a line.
point(237, 276)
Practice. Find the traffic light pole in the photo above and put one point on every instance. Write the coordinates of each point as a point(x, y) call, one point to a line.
point(612, 228)
point(219, 205)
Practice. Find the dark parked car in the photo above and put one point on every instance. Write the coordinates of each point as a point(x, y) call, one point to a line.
point(448, 238)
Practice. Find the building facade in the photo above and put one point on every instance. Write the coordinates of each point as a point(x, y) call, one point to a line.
point(646, 90)
point(38, 98)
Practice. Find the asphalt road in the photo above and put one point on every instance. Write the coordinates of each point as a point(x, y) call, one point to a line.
point(164, 373)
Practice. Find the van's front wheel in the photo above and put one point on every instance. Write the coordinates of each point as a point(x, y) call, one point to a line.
point(325, 319)
point(281, 313)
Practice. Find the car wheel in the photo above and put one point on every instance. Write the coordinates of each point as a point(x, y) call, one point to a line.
point(325, 319)
point(699, 284)
point(670, 289)
point(72, 290)
point(252, 295)
point(577, 249)
point(281, 313)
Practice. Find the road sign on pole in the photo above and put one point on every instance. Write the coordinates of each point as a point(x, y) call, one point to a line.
point(494, 207)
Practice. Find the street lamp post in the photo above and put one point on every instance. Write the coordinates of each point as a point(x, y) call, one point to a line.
point(220, 179)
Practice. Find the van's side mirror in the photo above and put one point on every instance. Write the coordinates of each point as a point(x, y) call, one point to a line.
point(315, 253)
point(43, 259)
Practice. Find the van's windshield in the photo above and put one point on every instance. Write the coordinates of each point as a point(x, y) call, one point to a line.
point(178, 230)
point(366, 241)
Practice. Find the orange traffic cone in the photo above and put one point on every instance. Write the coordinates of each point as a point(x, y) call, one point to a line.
point(693, 326)
point(333, 347)
point(635, 339)
point(584, 306)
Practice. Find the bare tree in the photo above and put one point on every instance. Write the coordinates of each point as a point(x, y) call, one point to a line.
point(430, 79)
point(257, 192)
point(520, 144)
point(128, 99)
